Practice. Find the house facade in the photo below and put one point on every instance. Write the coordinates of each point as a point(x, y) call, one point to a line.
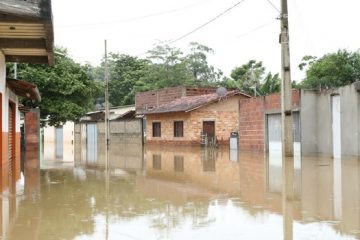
point(206, 119)
point(26, 36)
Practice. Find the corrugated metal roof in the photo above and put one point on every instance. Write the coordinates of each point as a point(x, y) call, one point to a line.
point(20, 8)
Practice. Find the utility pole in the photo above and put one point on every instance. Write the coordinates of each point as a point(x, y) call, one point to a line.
point(106, 120)
point(286, 92)
point(287, 126)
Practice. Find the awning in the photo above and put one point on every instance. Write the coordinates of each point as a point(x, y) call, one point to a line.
point(24, 89)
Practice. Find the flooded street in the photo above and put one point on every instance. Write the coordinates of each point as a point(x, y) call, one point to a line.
point(183, 193)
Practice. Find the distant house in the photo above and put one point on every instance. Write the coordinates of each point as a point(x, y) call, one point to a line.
point(194, 120)
point(125, 131)
point(26, 35)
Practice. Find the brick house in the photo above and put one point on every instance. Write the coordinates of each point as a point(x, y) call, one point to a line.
point(26, 36)
point(192, 120)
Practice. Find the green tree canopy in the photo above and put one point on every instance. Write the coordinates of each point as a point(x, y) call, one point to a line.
point(249, 78)
point(165, 66)
point(332, 70)
point(197, 64)
point(126, 73)
point(66, 89)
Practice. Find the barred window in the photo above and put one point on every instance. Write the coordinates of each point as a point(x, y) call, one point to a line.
point(178, 129)
point(156, 129)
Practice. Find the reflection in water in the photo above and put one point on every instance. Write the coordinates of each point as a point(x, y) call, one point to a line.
point(183, 193)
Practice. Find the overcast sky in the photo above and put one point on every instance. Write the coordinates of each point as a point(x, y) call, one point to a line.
point(248, 31)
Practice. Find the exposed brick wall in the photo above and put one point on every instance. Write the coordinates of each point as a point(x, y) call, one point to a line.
point(252, 124)
point(225, 114)
point(273, 101)
point(196, 91)
point(157, 97)
point(252, 119)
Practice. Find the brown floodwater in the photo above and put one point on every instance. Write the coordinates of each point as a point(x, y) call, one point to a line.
point(184, 193)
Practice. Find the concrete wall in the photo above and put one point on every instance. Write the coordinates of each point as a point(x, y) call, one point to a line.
point(309, 140)
point(316, 121)
point(68, 142)
point(124, 135)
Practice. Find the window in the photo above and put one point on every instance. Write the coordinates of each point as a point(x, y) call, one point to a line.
point(178, 129)
point(156, 129)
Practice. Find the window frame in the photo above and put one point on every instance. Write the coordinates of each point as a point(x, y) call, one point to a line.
point(156, 131)
point(178, 131)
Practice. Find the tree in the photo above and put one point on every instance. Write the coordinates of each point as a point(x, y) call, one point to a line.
point(66, 89)
point(271, 84)
point(248, 76)
point(198, 65)
point(126, 73)
point(332, 70)
point(168, 68)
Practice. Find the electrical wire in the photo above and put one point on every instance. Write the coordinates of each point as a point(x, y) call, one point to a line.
point(256, 29)
point(156, 14)
point(205, 24)
point(273, 5)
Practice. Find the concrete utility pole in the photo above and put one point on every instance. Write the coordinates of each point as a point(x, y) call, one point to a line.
point(287, 127)
point(106, 120)
point(286, 92)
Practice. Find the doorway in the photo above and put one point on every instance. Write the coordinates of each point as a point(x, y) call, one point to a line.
point(209, 130)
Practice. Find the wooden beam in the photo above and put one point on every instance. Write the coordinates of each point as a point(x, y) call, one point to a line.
point(22, 43)
point(26, 59)
point(49, 30)
point(18, 19)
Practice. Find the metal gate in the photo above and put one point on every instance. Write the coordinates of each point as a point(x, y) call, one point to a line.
point(59, 142)
point(91, 143)
point(11, 138)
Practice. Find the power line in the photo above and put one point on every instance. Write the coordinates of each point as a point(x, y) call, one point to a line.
point(273, 5)
point(156, 14)
point(256, 29)
point(207, 23)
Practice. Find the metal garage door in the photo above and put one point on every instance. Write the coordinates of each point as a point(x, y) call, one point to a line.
point(275, 152)
point(11, 138)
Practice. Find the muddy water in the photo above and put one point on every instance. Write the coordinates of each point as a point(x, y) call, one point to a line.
point(184, 193)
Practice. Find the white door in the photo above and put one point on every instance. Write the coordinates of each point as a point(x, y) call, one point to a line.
point(91, 138)
point(59, 143)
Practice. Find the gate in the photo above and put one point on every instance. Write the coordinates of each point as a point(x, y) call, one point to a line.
point(91, 143)
point(59, 142)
